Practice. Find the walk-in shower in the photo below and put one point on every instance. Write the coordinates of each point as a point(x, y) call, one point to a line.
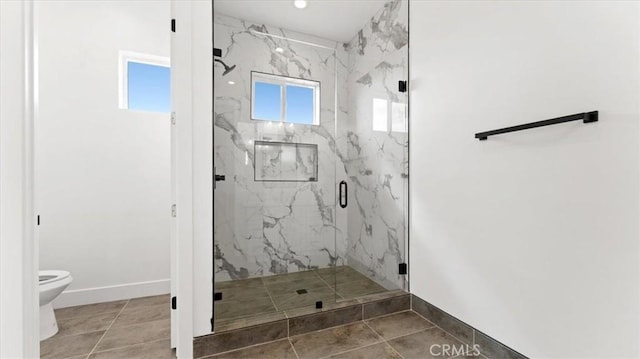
point(311, 139)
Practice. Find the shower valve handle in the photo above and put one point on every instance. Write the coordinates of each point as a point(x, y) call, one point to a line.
point(217, 178)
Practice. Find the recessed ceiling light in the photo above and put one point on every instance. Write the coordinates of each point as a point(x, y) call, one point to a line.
point(231, 83)
point(279, 49)
point(300, 4)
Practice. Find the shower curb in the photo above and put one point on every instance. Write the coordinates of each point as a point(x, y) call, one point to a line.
point(284, 328)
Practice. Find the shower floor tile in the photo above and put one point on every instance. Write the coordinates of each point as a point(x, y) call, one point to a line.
point(339, 275)
point(240, 293)
point(290, 287)
point(294, 300)
point(243, 308)
point(256, 297)
point(359, 288)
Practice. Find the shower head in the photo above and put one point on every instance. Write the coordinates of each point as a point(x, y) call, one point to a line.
point(227, 69)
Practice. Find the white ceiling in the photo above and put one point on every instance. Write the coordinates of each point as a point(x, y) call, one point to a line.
point(337, 20)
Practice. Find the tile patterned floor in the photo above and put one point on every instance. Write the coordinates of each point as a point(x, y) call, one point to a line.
point(139, 328)
point(404, 335)
point(135, 328)
point(272, 294)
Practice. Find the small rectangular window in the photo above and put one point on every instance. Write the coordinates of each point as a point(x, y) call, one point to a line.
point(284, 99)
point(145, 82)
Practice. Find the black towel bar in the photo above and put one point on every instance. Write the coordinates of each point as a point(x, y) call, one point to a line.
point(585, 116)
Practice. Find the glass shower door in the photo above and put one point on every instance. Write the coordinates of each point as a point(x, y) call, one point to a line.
point(275, 162)
point(377, 155)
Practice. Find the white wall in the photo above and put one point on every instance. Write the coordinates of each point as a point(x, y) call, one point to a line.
point(194, 183)
point(531, 237)
point(103, 173)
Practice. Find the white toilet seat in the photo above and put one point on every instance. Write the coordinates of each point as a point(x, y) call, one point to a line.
point(56, 274)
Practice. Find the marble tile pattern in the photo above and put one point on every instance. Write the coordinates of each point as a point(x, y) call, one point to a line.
point(285, 162)
point(267, 228)
point(378, 160)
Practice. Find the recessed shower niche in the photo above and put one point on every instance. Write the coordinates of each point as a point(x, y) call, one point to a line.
point(287, 236)
point(285, 162)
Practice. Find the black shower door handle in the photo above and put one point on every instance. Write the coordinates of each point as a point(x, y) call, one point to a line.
point(343, 194)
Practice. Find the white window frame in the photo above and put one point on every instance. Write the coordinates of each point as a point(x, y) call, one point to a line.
point(283, 81)
point(124, 57)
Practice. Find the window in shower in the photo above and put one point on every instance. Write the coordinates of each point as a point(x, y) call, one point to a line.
point(145, 82)
point(284, 99)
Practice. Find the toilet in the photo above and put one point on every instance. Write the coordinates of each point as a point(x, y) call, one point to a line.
point(52, 283)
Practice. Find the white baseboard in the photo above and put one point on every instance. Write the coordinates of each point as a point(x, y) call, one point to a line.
point(70, 298)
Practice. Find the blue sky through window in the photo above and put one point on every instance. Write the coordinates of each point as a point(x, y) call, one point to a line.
point(267, 101)
point(284, 99)
point(148, 87)
point(300, 105)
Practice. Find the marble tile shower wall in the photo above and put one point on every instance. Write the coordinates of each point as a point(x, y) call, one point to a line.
point(270, 228)
point(378, 146)
point(265, 228)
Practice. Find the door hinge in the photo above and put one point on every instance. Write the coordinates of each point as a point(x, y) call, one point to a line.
point(173, 25)
point(402, 268)
point(174, 211)
point(174, 303)
point(402, 86)
point(173, 118)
